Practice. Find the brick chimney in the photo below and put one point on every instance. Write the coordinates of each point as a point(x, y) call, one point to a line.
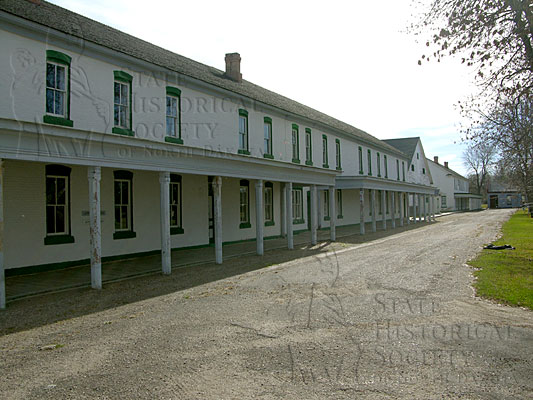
point(436, 159)
point(445, 164)
point(233, 67)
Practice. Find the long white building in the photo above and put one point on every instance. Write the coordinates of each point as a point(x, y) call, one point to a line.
point(112, 147)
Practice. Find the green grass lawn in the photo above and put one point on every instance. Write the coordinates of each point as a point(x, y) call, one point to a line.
point(507, 275)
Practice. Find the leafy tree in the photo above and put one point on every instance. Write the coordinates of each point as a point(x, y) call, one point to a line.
point(494, 36)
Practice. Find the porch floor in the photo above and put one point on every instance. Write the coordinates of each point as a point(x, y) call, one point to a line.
point(20, 286)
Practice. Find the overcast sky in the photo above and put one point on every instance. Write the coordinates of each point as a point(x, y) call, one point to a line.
point(351, 59)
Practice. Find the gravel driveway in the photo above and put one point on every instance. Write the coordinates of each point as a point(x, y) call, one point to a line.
point(393, 317)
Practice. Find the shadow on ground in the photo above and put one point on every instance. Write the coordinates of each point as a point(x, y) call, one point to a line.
point(32, 312)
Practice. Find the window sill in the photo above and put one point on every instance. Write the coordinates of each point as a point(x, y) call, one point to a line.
point(296, 160)
point(175, 140)
point(297, 221)
point(327, 218)
point(58, 239)
point(325, 166)
point(50, 119)
point(361, 173)
point(176, 231)
point(340, 217)
point(270, 223)
point(338, 169)
point(122, 131)
point(269, 156)
point(124, 235)
point(245, 152)
point(379, 176)
point(245, 225)
point(310, 163)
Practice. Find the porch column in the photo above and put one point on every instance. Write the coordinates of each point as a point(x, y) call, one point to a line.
point(415, 202)
point(433, 208)
point(164, 187)
point(426, 207)
point(217, 200)
point(362, 211)
point(283, 209)
point(384, 208)
point(2, 268)
point(94, 175)
point(290, 239)
point(373, 208)
point(419, 207)
point(313, 205)
point(393, 209)
point(407, 212)
point(320, 207)
point(259, 218)
point(402, 203)
point(332, 213)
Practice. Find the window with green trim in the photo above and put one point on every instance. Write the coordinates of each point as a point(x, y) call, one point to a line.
point(325, 151)
point(243, 132)
point(326, 205)
point(424, 171)
point(175, 204)
point(403, 171)
point(57, 89)
point(244, 204)
point(387, 202)
point(269, 204)
point(385, 165)
point(378, 163)
point(173, 115)
point(295, 144)
point(398, 169)
point(361, 160)
point(297, 206)
point(123, 201)
point(267, 133)
point(122, 110)
point(369, 160)
point(339, 203)
point(338, 154)
point(58, 205)
point(413, 167)
point(308, 147)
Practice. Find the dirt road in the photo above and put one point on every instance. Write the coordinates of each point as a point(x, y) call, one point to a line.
point(394, 317)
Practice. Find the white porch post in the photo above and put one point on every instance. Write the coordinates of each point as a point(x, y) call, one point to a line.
point(373, 208)
point(320, 207)
point(362, 211)
point(408, 217)
point(313, 205)
point(217, 199)
point(2, 267)
point(393, 210)
point(164, 187)
point(94, 175)
point(426, 204)
point(290, 238)
point(419, 207)
point(283, 209)
point(384, 208)
point(402, 203)
point(433, 208)
point(332, 213)
point(415, 203)
point(259, 218)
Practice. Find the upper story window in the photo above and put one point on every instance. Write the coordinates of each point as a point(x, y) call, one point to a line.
point(308, 147)
point(173, 115)
point(122, 94)
point(424, 171)
point(58, 205)
point(295, 144)
point(378, 163)
point(413, 167)
point(417, 156)
point(398, 169)
point(243, 132)
point(325, 151)
point(385, 165)
point(175, 204)
point(57, 88)
point(361, 160)
point(369, 160)
point(338, 154)
point(267, 138)
point(403, 171)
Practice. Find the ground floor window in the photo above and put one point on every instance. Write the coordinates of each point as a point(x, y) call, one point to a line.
point(297, 206)
point(175, 204)
point(58, 205)
point(378, 196)
point(326, 205)
point(123, 195)
point(443, 201)
point(244, 204)
point(339, 203)
point(269, 207)
point(387, 202)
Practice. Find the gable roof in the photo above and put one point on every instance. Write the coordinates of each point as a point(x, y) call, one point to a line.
point(405, 145)
point(450, 171)
point(87, 29)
